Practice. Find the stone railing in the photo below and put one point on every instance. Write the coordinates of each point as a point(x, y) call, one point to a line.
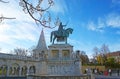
point(13, 77)
point(61, 59)
point(17, 57)
point(29, 58)
point(60, 77)
point(50, 77)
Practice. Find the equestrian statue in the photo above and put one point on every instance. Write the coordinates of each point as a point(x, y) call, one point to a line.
point(61, 34)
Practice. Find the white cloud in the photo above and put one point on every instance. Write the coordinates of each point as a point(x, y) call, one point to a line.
point(22, 31)
point(17, 32)
point(95, 27)
point(113, 20)
point(91, 26)
point(110, 20)
point(11, 35)
point(12, 9)
point(101, 23)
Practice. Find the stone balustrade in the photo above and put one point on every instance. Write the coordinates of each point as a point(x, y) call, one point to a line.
point(61, 77)
point(17, 57)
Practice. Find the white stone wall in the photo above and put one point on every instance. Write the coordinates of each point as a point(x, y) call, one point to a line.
point(16, 63)
point(61, 65)
point(13, 65)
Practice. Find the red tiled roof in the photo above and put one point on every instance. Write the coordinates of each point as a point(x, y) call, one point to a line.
point(117, 53)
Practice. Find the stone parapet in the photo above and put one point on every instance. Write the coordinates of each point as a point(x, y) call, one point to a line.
point(16, 57)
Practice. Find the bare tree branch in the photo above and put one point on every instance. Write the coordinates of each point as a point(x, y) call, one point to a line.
point(38, 11)
point(20, 51)
point(4, 1)
point(2, 18)
point(43, 18)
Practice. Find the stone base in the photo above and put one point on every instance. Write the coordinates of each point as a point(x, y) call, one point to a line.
point(60, 50)
point(60, 61)
point(60, 45)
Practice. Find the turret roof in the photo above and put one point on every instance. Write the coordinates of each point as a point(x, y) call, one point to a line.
point(41, 43)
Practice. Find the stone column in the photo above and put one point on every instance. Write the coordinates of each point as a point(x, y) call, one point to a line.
point(12, 71)
point(28, 71)
point(60, 68)
point(8, 70)
point(20, 69)
point(60, 53)
point(49, 54)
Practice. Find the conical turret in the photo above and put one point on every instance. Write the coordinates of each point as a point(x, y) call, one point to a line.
point(41, 47)
point(41, 43)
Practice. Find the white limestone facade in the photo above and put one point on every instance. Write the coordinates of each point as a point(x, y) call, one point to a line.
point(54, 60)
point(61, 61)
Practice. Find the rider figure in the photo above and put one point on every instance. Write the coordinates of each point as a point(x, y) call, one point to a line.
point(60, 29)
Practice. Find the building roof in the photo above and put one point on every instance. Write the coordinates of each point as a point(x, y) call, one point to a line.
point(117, 53)
point(41, 43)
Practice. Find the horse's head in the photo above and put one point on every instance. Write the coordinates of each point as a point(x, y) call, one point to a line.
point(69, 30)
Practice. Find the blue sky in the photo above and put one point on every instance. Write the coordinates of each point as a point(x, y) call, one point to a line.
point(95, 22)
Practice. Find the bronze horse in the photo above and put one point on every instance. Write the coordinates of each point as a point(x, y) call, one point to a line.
point(60, 36)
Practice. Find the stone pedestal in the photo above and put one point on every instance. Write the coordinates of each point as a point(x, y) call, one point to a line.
point(60, 51)
point(60, 61)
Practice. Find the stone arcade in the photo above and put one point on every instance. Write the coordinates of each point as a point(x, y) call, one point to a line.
point(54, 60)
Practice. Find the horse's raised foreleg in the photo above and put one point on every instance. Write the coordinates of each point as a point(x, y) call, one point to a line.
point(51, 37)
point(53, 40)
point(65, 40)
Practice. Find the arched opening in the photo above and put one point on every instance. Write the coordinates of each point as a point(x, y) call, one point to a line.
point(10, 72)
point(32, 70)
point(3, 70)
point(24, 71)
point(14, 70)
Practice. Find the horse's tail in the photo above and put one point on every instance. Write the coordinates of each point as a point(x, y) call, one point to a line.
point(51, 36)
